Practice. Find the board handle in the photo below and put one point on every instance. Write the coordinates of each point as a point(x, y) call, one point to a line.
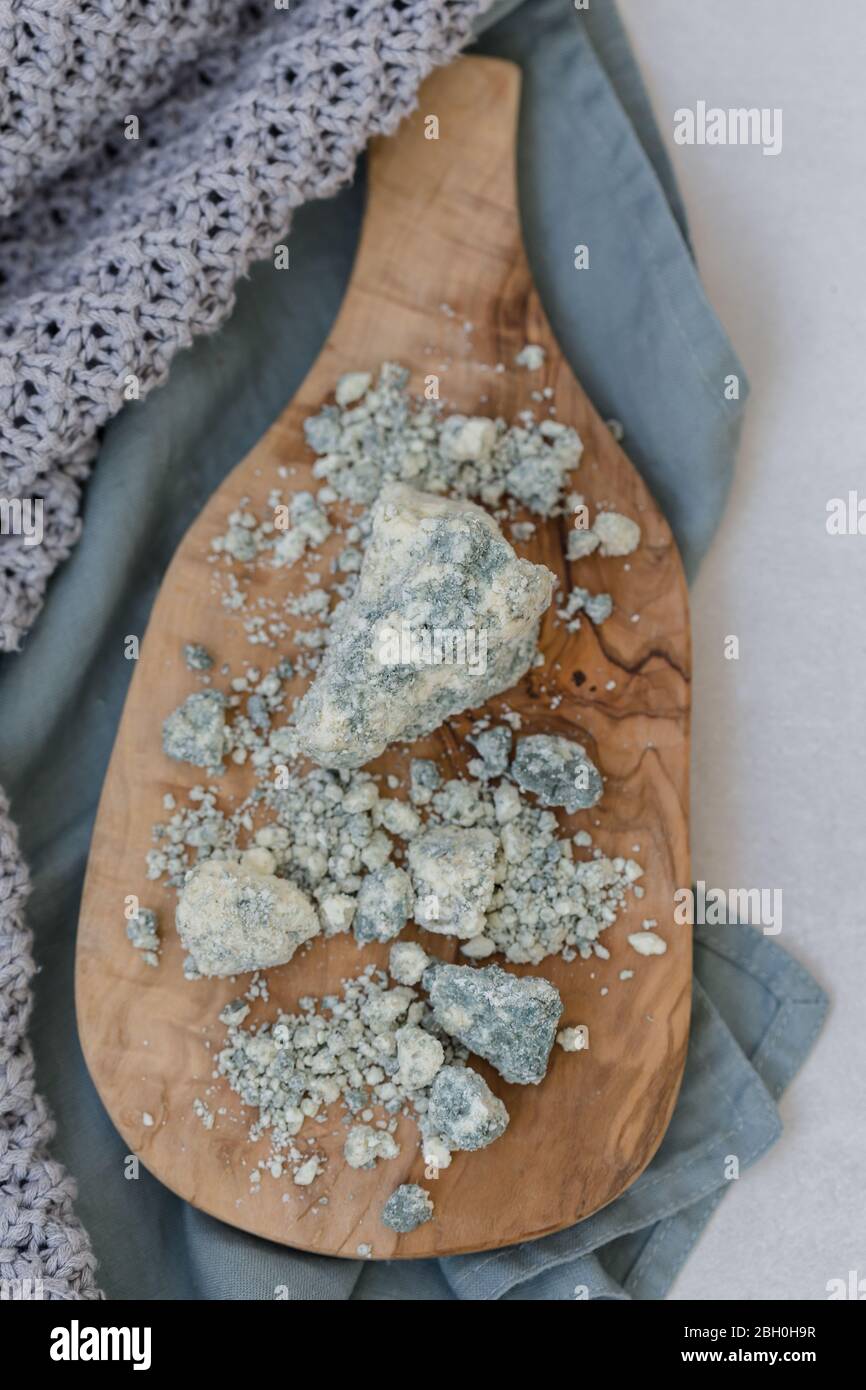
point(442, 213)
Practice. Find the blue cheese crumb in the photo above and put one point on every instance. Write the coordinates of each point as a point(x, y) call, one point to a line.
point(407, 1208)
point(598, 608)
point(424, 780)
point(195, 732)
point(203, 1112)
point(197, 657)
point(419, 1055)
point(463, 1111)
point(384, 905)
point(532, 357)
point(617, 534)
point(143, 933)
point(611, 534)
point(351, 387)
point(558, 771)
point(307, 1172)
point(407, 962)
point(508, 1021)
point(494, 747)
point(454, 877)
point(364, 1146)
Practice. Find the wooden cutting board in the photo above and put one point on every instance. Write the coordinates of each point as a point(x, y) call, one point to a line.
point(440, 249)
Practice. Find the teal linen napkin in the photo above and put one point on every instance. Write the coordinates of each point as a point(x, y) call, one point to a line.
point(643, 340)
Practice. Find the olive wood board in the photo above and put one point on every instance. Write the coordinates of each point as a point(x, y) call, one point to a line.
point(440, 284)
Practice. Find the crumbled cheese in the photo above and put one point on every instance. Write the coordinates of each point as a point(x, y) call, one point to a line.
point(235, 916)
point(614, 533)
point(384, 905)
point(337, 911)
point(646, 943)
point(203, 1112)
point(532, 357)
point(197, 657)
point(598, 608)
point(463, 1110)
point(143, 932)
point(364, 1146)
point(424, 781)
point(573, 1039)
point(436, 1154)
point(468, 439)
point(407, 962)
point(386, 438)
point(510, 1022)
point(195, 732)
point(494, 747)
point(617, 534)
point(506, 802)
point(342, 1048)
point(557, 771)
point(453, 875)
point(407, 1208)
point(580, 542)
point(478, 947)
point(351, 387)
point(419, 1056)
point(307, 1172)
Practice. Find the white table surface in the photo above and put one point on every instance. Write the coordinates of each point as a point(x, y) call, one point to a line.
point(779, 771)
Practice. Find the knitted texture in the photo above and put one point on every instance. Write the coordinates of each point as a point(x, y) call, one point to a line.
point(114, 254)
point(40, 1238)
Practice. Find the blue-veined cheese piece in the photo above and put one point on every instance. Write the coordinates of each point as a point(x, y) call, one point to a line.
point(407, 1208)
point(454, 878)
point(234, 915)
point(195, 731)
point(463, 1111)
point(494, 748)
point(557, 771)
point(364, 1146)
point(419, 1056)
point(424, 781)
point(509, 1021)
point(384, 905)
point(444, 616)
point(617, 534)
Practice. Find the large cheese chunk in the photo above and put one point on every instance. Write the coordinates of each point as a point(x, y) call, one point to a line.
point(509, 1021)
point(234, 915)
point(444, 616)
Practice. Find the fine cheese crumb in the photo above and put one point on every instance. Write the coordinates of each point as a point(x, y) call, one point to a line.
point(647, 943)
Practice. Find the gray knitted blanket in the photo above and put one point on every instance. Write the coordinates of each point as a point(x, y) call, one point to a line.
point(150, 152)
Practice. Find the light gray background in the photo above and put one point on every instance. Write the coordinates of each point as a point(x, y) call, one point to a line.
point(780, 736)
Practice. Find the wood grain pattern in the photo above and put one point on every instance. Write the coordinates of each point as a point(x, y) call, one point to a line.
point(441, 228)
